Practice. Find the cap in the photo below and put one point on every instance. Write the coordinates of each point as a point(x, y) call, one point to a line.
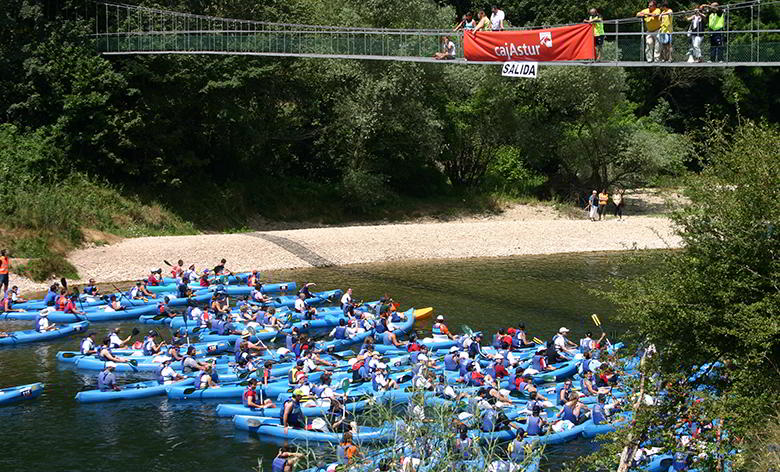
point(297, 392)
point(111, 364)
point(422, 358)
point(454, 349)
point(382, 366)
point(245, 334)
point(300, 363)
point(44, 312)
point(440, 318)
point(563, 330)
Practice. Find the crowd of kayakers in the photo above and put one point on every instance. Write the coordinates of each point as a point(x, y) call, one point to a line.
point(303, 363)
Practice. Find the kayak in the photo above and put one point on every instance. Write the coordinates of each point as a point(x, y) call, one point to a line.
point(318, 298)
point(592, 430)
point(31, 336)
point(337, 345)
point(149, 388)
point(229, 410)
point(201, 349)
point(506, 435)
point(271, 427)
point(11, 395)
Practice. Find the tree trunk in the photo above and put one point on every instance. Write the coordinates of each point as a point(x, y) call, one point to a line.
point(627, 456)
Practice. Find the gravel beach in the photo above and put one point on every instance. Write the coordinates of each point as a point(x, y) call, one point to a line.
point(520, 230)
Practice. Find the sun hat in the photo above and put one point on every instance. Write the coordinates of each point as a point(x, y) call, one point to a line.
point(563, 330)
point(110, 364)
point(454, 349)
point(440, 318)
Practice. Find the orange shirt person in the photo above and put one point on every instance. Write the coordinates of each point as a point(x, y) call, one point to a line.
point(5, 268)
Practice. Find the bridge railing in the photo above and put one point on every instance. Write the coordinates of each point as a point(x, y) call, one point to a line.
point(128, 29)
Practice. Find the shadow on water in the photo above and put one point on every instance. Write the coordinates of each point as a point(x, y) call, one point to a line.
point(56, 433)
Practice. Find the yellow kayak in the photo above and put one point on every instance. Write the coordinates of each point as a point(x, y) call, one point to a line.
point(423, 313)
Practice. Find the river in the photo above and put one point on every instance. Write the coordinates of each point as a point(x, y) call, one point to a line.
point(57, 433)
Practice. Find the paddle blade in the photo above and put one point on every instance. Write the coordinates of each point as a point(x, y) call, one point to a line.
point(167, 263)
point(64, 283)
point(345, 384)
point(190, 390)
point(251, 330)
point(68, 355)
point(466, 330)
point(135, 331)
point(133, 362)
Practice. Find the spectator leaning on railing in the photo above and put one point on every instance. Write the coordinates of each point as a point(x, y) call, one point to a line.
point(484, 22)
point(695, 30)
point(597, 22)
point(665, 33)
point(716, 21)
point(652, 17)
point(497, 19)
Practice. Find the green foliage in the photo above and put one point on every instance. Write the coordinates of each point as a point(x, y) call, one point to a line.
point(510, 174)
point(363, 191)
point(717, 299)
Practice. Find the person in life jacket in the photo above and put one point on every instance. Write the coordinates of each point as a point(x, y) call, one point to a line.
point(517, 447)
point(70, 307)
point(440, 330)
point(464, 444)
point(539, 361)
point(5, 268)
point(92, 289)
point(155, 277)
point(104, 353)
point(251, 281)
point(573, 410)
point(8, 303)
point(106, 379)
point(300, 304)
point(43, 324)
point(290, 414)
point(347, 452)
point(587, 343)
point(562, 344)
point(340, 331)
point(143, 291)
point(178, 269)
point(380, 381)
point(166, 374)
point(535, 424)
point(474, 378)
point(62, 300)
point(150, 348)
point(452, 360)
point(51, 296)
point(207, 378)
point(587, 387)
point(599, 413)
point(389, 337)
point(563, 392)
point(204, 279)
point(88, 345)
point(250, 397)
point(519, 340)
point(114, 304)
point(285, 460)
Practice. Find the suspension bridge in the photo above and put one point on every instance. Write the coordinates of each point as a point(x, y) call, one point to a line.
point(121, 29)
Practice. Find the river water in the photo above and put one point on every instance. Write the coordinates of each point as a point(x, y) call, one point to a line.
point(56, 433)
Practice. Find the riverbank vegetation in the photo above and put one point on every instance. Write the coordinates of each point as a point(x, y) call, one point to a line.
point(169, 145)
point(714, 303)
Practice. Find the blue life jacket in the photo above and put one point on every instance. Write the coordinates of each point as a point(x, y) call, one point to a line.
point(341, 454)
point(386, 338)
point(585, 366)
point(496, 341)
point(217, 325)
point(396, 318)
point(380, 328)
point(288, 341)
point(50, 298)
point(512, 379)
point(491, 372)
point(534, 427)
point(296, 349)
point(38, 323)
point(518, 451)
point(239, 356)
point(294, 418)
point(583, 388)
point(598, 415)
point(474, 349)
point(536, 362)
point(160, 378)
point(437, 329)
point(568, 414)
point(450, 362)
point(106, 381)
point(365, 371)
point(558, 391)
point(680, 461)
point(374, 384)
point(413, 356)
point(182, 289)
point(318, 389)
point(341, 333)
point(100, 353)
point(585, 345)
point(489, 421)
point(464, 365)
point(278, 464)
point(199, 379)
point(147, 349)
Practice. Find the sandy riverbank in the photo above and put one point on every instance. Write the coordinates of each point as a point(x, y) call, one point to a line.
point(519, 230)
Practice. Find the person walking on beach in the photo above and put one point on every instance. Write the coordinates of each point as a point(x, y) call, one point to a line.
point(603, 201)
point(5, 268)
point(617, 200)
point(593, 206)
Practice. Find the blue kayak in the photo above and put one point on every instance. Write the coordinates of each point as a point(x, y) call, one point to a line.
point(149, 388)
point(11, 395)
point(229, 410)
point(31, 336)
point(263, 427)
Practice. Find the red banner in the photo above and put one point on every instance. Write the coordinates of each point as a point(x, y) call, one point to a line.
point(566, 43)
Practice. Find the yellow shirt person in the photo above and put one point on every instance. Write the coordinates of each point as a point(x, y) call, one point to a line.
point(652, 17)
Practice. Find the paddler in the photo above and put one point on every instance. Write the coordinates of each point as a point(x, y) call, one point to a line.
point(8, 302)
point(92, 289)
point(88, 345)
point(155, 277)
point(166, 374)
point(70, 307)
point(51, 296)
point(178, 269)
point(189, 364)
point(144, 291)
point(43, 325)
point(306, 289)
point(207, 378)
point(347, 452)
point(380, 381)
point(285, 460)
point(250, 397)
point(150, 348)
point(105, 354)
point(440, 330)
point(300, 303)
point(106, 379)
point(115, 342)
point(562, 344)
point(291, 414)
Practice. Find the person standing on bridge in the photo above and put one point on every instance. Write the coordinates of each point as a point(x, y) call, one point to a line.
point(497, 19)
point(717, 39)
point(484, 22)
point(652, 17)
point(597, 22)
point(695, 32)
point(467, 23)
point(665, 35)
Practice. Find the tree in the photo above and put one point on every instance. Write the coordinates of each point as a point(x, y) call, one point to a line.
point(716, 300)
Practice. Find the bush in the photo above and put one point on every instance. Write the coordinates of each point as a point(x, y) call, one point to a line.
point(363, 191)
point(509, 176)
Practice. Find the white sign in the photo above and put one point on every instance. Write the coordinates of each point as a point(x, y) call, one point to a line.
point(520, 69)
